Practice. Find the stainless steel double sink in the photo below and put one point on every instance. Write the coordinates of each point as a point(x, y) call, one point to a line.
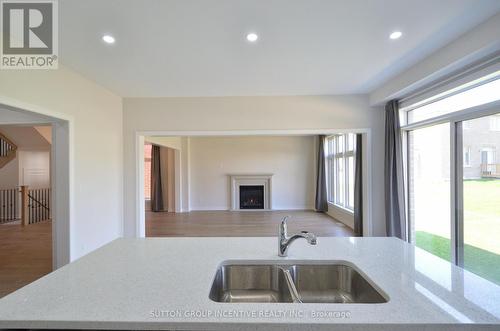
point(272, 282)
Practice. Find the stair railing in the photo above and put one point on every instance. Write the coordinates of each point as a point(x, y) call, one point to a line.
point(38, 205)
point(9, 199)
point(35, 204)
point(6, 146)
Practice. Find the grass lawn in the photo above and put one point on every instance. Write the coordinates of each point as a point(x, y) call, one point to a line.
point(482, 196)
point(481, 230)
point(483, 263)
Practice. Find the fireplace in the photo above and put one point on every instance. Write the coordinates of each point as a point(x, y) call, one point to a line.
point(251, 196)
point(251, 192)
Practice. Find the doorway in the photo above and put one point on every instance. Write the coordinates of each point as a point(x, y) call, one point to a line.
point(34, 179)
point(205, 190)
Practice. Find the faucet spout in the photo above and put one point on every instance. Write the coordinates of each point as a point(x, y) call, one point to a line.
point(309, 236)
point(284, 241)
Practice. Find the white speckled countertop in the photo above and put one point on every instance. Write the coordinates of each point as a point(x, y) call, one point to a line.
point(164, 283)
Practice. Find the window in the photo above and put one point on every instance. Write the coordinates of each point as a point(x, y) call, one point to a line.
point(467, 156)
point(452, 162)
point(487, 155)
point(340, 166)
point(468, 98)
point(495, 123)
point(147, 171)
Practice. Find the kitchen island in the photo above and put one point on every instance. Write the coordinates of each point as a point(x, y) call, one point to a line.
point(164, 284)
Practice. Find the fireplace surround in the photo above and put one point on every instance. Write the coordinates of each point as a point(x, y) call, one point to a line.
point(251, 192)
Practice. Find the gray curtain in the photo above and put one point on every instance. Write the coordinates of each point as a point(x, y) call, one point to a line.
point(358, 187)
point(321, 203)
point(394, 180)
point(156, 186)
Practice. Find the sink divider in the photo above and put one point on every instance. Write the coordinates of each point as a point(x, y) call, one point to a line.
point(291, 286)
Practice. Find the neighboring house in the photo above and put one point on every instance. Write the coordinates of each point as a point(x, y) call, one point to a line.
point(481, 143)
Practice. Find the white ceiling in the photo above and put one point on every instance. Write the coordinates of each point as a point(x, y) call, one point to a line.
point(198, 48)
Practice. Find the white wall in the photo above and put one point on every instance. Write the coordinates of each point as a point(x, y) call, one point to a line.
point(31, 166)
point(34, 168)
point(289, 158)
point(155, 116)
point(170, 142)
point(95, 123)
point(9, 174)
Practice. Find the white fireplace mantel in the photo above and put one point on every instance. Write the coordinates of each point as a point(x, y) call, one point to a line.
point(237, 180)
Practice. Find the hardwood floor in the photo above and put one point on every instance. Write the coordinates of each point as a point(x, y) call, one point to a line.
point(240, 224)
point(25, 254)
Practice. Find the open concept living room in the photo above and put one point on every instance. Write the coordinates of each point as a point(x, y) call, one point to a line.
point(243, 185)
point(250, 165)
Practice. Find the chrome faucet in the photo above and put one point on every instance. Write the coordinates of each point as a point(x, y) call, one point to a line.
point(284, 242)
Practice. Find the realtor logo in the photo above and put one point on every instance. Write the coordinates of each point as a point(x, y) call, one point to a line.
point(29, 34)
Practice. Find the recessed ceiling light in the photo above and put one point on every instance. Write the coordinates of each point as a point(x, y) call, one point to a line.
point(396, 35)
point(108, 39)
point(252, 37)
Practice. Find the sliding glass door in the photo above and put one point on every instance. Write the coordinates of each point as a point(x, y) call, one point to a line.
point(453, 176)
point(480, 184)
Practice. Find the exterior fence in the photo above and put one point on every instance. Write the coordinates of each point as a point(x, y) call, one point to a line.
point(490, 170)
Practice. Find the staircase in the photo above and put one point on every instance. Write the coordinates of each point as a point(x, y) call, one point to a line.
point(7, 150)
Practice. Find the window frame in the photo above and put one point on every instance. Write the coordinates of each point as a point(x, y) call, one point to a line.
point(467, 151)
point(337, 195)
point(455, 119)
point(492, 84)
